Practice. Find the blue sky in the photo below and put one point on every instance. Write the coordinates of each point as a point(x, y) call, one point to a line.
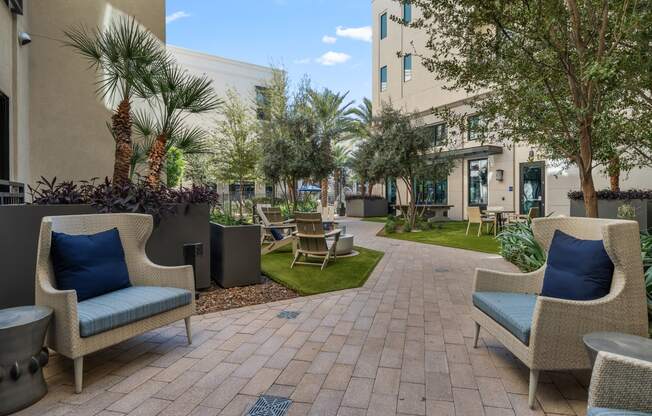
point(330, 40)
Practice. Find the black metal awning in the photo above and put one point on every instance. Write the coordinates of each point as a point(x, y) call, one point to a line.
point(471, 152)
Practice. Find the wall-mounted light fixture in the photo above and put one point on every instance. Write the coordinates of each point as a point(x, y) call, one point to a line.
point(531, 155)
point(24, 38)
point(499, 175)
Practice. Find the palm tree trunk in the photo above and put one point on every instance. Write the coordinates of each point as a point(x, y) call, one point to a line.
point(324, 192)
point(156, 157)
point(121, 129)
point(337, 178)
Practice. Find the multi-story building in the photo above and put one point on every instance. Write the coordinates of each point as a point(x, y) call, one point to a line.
point(513, 177)
point(246, 79)
point(52, 122)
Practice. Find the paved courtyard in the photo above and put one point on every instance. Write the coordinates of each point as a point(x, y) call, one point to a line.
point(399, 345)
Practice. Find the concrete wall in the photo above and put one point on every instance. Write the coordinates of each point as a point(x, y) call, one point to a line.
point(57, 122)
point(423, 92)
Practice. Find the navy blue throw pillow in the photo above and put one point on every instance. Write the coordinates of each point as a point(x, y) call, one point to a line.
point(577, 269)
point(276, 234)
point(92, 265)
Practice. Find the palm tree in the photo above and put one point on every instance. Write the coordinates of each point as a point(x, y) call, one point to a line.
point(364, 118)
point(172, 95)
point(120, 55)
point(332, 123)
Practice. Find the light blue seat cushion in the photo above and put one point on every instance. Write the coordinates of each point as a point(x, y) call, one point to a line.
point(601, 411)
point(128, 305)
point(512, 310)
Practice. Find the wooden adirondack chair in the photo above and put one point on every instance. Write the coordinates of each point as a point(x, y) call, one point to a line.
point(312, 240)
point(276, 232)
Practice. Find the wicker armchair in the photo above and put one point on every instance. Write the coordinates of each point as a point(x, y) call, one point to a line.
point(621, 383)
point(557, 325)
point(64, 335)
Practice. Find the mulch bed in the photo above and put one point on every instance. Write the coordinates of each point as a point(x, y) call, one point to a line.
point(218, 299)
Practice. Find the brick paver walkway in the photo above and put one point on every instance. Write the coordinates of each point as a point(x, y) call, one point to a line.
point(399, 345)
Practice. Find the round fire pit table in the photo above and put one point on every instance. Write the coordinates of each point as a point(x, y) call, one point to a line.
point(22, 356)
point(622, 344)
point(345, 244)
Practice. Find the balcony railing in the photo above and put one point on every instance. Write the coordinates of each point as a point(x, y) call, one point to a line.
point(11, 192)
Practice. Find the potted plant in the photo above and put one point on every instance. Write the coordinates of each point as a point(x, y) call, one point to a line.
point(235, 250)
point(632, 204)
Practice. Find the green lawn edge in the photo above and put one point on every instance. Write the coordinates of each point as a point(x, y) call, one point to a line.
point(292, 278)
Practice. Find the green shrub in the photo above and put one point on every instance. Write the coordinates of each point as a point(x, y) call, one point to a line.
point(518, 246)
point(174, 166)
point(646, 253)
point(390, 227)
point(407, 228)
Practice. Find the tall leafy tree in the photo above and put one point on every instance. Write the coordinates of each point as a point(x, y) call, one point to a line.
point(121, 55)
point(236, 144)
point(332, 117)
point(548, 73)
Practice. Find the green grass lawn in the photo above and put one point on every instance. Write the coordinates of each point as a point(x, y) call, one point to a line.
point(375, 219)
point(452, 234)
point(345, 273)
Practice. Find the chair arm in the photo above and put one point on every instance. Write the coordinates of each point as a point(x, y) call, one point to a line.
point(151, 274)
point(334, 233)
point(495, 281)
point(559, 324)
point(65, 329)
point(280, 227)
point(620, 382)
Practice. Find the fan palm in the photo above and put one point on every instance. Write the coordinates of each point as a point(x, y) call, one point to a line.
point(341, 155)
point(173, 94)
point(331, 113)
point(364, 118)
point(120, 55)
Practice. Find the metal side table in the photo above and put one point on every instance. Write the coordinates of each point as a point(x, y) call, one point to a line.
point(622, 344)
point(22, 356)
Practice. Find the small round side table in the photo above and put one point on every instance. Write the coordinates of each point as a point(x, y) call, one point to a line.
point(22, 356)
point(622, 344)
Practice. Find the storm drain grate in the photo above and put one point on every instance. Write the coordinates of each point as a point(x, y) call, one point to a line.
point(270, 406)
point(441, 270)
point(288, 314)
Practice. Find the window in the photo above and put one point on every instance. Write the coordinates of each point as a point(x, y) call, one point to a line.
point(248, 191)
point(474, 127)
point(407, 12)
point(407, 67)
point(383, 26)
point(478, 189)
point(432, 192)
point(4, 136)
point(438, 133)
point(261, 101)
point(383, 78)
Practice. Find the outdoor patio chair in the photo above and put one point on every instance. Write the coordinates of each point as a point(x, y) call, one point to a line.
point(276, 232)
point(313, 241)
point(158, 295)
point(620, 386)
point(532, 213)
point(476, 217)
point(545, 333)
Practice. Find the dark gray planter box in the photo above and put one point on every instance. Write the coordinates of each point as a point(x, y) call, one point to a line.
point(608, 208)
point(235, 254)
point(366, 207)
point(20, 226)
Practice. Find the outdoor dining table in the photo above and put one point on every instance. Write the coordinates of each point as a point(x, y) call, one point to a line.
point(499, 213)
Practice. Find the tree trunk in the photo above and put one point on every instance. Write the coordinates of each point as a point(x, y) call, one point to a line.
point(336, 179)
point(121, 129)
point(412, 209)
point(614, 174)
point(156, 157)
point(371, 187)
point(363, 188)
point(324, 192)
point(590, 196)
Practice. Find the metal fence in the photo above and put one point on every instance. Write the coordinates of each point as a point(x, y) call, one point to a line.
point(11, 192)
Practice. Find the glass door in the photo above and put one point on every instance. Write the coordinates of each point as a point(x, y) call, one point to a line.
point(532, 176)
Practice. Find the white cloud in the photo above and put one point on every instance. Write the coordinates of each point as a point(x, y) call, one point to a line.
point(358, 33)
point(302, 61)
point(331, 58)
point(176, 16)
point(329, 39)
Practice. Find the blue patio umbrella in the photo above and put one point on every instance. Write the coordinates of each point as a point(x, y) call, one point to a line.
point(309, 188)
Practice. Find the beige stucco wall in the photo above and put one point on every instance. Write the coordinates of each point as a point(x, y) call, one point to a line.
point(423, 93)
point(58, 123)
